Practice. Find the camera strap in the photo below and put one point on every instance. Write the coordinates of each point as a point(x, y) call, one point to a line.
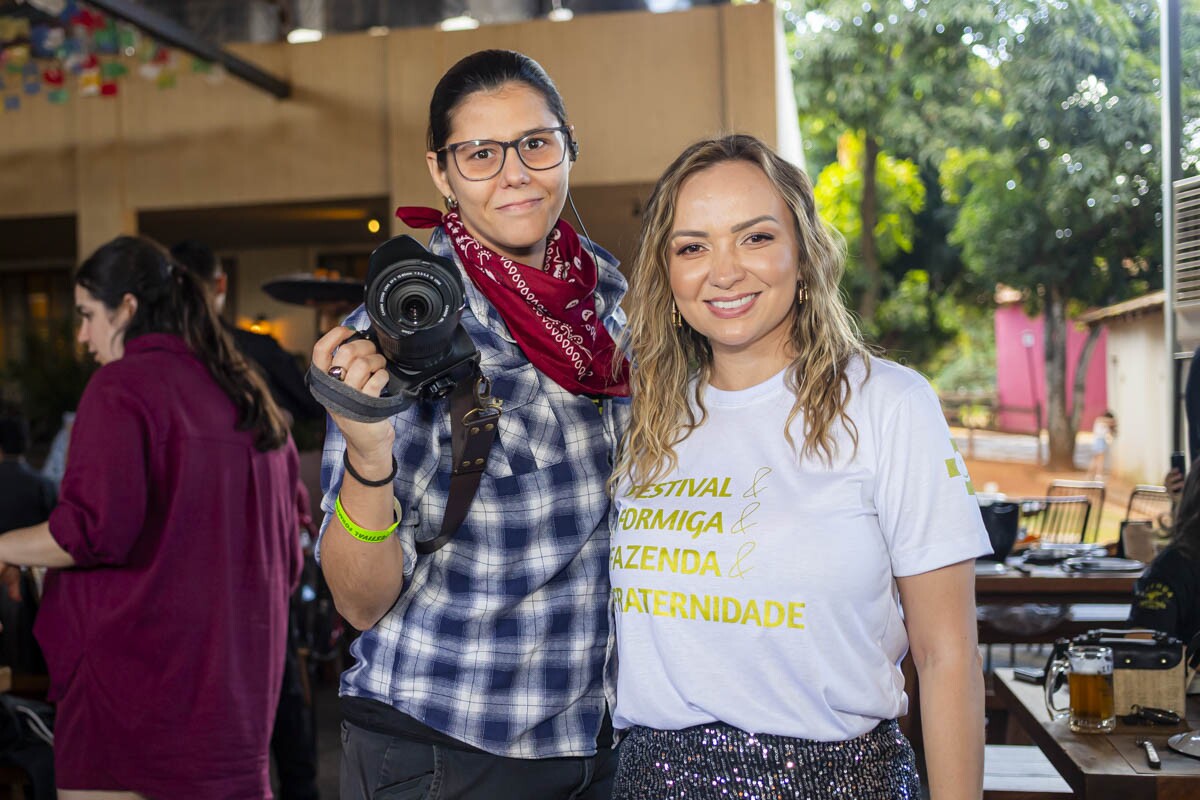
point(474, 416)
point(339, 398)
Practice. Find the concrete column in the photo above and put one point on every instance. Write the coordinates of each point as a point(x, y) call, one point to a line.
point(101, 185)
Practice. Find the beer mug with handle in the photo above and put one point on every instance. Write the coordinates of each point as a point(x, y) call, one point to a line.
point(1089, 670)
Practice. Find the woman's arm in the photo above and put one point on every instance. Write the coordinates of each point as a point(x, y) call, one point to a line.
point(28, 547)
point(33, 547)
point(939, 613)
point(364, 577)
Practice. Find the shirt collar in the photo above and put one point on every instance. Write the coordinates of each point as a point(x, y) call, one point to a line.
point(156, 341)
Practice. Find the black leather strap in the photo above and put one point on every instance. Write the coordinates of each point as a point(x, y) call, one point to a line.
point(474, 417)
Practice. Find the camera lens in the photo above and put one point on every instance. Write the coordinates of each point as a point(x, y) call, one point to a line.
point(414, 309)
point(414, 304)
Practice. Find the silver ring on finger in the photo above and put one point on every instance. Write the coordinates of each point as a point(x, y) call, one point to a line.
point(337, 373)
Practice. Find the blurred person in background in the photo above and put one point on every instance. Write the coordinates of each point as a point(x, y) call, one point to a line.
point(293, 738)
point(26, 498)
point(277, 366)
point(173, 547)
point(56, 460)
point(1167, 595)
point(1104, 430)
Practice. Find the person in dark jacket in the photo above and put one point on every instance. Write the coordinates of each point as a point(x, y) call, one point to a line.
point(1167, 596)
point(293, 739)
point(277, 366)
point(28, 497)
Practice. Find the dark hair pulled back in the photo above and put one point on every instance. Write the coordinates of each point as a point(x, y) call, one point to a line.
point(486, 71)
point(171, 300)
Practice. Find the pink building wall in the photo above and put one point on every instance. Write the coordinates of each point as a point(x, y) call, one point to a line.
point(1013, 330)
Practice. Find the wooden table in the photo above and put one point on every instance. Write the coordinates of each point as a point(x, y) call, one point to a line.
point(1104, 766)
point(1015, 588)
point(1054, 586)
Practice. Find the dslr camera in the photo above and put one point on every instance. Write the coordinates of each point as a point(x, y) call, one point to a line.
point(415, 301)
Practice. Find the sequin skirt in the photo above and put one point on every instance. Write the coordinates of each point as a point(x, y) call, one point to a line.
point(719, 762)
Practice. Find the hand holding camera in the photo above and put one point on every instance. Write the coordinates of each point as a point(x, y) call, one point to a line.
point(415, 349)
point(359, 366)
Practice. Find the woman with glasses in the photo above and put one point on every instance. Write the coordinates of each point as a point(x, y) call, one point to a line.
point(479, 670)
point(781, 494)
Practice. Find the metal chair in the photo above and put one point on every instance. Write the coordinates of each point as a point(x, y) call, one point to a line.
point(1059, 520)
point(1151, 503)
point(1093, 491)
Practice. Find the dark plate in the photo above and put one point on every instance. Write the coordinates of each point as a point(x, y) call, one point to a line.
point(1091, 564)
point(306, 289)
point(1055, 553)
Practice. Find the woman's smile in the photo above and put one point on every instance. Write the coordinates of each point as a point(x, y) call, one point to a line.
point(728, 308)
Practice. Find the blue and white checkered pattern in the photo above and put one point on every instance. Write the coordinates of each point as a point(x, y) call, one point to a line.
point(499, 638)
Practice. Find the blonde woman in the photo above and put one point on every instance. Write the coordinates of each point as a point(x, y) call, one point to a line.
point(780, 496)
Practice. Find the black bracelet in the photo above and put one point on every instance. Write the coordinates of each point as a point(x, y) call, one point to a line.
point(354, 473)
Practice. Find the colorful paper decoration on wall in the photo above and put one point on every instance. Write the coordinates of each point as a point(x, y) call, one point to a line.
point(89, 82)
point(82, 53)
point(13, 28)
point(111, 70)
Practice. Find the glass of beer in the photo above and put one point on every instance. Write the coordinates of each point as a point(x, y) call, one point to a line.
point(1089, 670)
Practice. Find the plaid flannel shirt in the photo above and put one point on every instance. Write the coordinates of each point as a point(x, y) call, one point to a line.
point(499, 638)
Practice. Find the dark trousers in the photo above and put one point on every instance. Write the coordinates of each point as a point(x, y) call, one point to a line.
point(376, 766)
point(293, 743)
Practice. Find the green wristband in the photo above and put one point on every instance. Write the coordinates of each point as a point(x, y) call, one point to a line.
point(360, 533)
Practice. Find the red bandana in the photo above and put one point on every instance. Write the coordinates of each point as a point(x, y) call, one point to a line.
point(551, 312)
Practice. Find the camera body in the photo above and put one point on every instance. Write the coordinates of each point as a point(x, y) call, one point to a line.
point(415, 300)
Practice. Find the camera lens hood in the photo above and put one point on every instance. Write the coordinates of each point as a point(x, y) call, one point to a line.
point(414, 300)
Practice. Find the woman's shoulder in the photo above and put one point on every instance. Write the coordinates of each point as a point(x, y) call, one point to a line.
point(150, 353)
point(610, 282)
point(883, 378)
point(1172, 561)
point(606, 262)
point(156, 371)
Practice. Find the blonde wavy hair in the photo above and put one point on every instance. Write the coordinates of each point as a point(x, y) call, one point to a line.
point(824, 335)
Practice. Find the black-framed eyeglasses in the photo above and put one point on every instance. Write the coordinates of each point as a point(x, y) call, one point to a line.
point(482, 159)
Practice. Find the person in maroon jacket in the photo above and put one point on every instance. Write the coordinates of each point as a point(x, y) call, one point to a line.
point(174, 547)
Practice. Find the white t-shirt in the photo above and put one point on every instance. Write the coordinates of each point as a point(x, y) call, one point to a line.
point(758, 591)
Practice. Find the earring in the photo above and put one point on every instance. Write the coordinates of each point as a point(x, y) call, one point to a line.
point(676, 317)
point(802, 294)
point(451, 203)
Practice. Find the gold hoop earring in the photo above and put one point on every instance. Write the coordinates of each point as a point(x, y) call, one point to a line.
point(676, 317)
point(802, 295)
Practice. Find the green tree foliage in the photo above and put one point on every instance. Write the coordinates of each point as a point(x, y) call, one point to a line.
point(899, 77)
point(900, 197)
point(47, 381)
point(912, 320)
point(1059, 194)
